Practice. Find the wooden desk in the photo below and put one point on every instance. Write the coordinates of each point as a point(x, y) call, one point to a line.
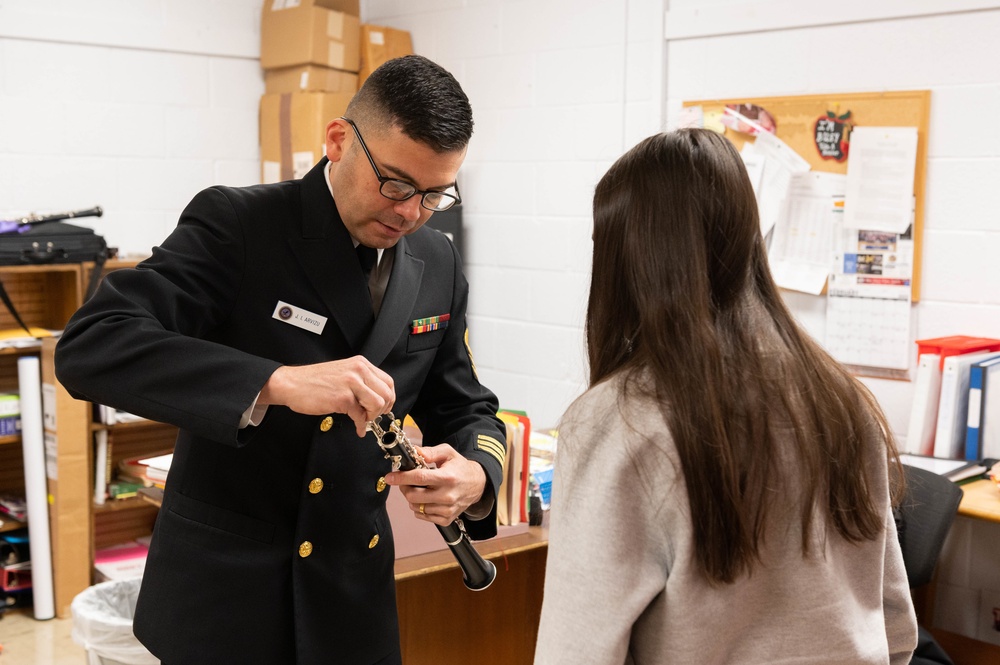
point(981, 500)
point(441, 622)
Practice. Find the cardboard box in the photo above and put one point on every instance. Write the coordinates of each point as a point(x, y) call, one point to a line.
point(380, 44)
point(309, 78)
point(70, 474)
point(346, 6)
point(293, 131)
point(304, 34)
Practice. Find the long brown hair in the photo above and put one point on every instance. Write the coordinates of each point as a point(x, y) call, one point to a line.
point(681, 293)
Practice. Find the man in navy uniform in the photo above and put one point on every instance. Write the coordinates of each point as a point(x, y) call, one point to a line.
point(259, 331)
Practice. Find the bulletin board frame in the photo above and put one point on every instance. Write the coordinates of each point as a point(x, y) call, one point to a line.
point(795, 118)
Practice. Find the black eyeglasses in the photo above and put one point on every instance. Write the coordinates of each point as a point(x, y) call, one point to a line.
point(400, 190)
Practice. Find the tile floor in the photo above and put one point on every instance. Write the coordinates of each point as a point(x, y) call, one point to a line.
point(26, 641)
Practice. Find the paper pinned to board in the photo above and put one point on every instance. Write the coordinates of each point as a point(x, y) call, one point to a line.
point(880, 176)
point(802, 245)
point(781, 163)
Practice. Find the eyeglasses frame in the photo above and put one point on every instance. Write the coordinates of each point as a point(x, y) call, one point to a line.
point(382, 180)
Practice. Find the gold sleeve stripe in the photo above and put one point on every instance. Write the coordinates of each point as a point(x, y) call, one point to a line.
point(497, 456)
point(492, 448)
point(490, 445)
point(468, 349)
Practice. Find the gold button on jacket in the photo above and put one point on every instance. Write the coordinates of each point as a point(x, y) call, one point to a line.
point(306, 548)
point(326, 424)
point(316, 485)
point(373, 542)
point(380, 485)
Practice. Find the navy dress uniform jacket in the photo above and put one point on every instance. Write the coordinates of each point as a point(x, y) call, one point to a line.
point(273, 544)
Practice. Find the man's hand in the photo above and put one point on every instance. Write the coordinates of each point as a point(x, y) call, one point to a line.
point(441, 494)
point(353, 386)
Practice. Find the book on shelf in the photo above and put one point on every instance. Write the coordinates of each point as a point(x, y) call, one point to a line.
point(102, 466)
point(10, 413)
point(14, 506)
point(109, 415)
point(18, 338)
point(147, 470)
point(158, 466)
point(120, 562)
point(15, 576)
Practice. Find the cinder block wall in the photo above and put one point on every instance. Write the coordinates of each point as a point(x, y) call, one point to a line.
point(560, 89)
point(134, 106)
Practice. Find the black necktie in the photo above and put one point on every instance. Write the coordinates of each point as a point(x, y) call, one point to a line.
point(367, 257)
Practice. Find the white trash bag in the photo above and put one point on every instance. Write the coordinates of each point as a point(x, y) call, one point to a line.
point(102, 623)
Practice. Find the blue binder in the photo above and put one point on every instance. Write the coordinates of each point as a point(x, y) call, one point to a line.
point(978, 385)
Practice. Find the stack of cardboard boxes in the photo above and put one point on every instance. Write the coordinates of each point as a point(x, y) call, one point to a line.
point(312, 52)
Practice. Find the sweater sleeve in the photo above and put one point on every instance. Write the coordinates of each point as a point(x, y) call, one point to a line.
point(897, 606)
point(605, 565)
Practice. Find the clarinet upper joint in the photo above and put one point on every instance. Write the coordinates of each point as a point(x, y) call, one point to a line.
point(394, 442)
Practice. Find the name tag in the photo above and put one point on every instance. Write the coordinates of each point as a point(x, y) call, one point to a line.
point(298, 317)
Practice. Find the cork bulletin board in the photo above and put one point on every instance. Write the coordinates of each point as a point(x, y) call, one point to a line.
point(796, 120)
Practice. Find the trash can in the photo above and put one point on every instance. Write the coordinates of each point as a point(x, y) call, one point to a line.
point(102, 623)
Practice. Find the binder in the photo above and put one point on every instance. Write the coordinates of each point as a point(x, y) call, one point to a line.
point(102, 463)
point(523, 454)
point(507, 512)
point(924, 412)
point(953, 407)
point(979, 375)
point(990, 417)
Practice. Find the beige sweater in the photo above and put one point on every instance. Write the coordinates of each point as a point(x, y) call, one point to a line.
point(620, 586)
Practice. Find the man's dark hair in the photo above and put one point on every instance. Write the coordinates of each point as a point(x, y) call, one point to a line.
point(420, 97)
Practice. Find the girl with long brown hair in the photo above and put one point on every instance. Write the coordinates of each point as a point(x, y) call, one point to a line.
point(723, 490)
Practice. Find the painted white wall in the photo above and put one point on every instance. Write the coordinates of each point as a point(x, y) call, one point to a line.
point(559, 89)
point(135, 106)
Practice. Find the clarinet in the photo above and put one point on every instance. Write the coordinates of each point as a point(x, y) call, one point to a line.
point(21, 224)
point(476, 571)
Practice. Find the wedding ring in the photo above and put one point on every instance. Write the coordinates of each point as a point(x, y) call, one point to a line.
point(422, 509)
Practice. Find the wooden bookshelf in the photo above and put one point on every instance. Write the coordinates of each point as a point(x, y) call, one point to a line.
point(46, 296)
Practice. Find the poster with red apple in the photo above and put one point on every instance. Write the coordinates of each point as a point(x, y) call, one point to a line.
point(832, 134)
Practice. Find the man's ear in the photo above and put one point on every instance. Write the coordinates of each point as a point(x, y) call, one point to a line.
point(336, 134)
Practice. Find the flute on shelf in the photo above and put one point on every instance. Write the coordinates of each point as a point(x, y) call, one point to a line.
point(476, 571)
